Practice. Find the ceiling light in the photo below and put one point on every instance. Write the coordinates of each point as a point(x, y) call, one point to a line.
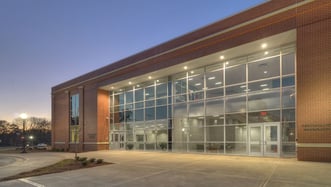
point(130, 82)
point(198, 84)
point(265, 89)
point(264, 85)
point(265, 53)
point(218, 83)
point(265, 72)
point(112, 87)
point(226, 63)
point(243, 86)
point(138, 85)
point(149, 77)
point(157, 81)
point(192, 72)
point(190, 79)
point(185, 67)
point(221, 57)
point(211, 78)
point(264, 45)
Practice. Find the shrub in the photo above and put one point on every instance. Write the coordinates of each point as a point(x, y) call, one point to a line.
point(84, 163)
point(82, 159)
point(99, 161)
point(77, 158)
point(92, 160)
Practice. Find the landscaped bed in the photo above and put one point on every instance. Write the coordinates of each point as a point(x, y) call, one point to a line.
point(64, 165)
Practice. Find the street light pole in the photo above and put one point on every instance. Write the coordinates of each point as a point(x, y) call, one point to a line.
point(23, 117)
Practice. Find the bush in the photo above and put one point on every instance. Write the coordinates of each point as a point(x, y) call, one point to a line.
point(99, 161)
point(82, 159)
point(77, 158)
point(84, 163)
point(92, 160)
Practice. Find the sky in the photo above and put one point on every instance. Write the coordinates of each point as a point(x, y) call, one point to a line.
point(46, 42)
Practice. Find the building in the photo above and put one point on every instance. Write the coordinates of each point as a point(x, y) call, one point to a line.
point(257, 83)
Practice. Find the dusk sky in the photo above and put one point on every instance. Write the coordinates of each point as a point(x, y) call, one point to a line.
point(46, 42)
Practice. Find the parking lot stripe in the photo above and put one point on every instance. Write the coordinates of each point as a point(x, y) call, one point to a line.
point(32, 183)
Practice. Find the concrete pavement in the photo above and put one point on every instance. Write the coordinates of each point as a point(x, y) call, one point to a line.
point(176, 169)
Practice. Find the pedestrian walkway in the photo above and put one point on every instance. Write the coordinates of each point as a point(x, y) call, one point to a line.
point(140, 169)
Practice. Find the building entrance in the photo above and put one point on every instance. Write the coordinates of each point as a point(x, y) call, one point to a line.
point(118, 140)
point(264, 139)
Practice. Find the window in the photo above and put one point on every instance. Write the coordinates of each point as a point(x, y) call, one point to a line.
point(74, 109)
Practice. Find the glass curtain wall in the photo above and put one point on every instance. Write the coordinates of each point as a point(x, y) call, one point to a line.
point(212, 109)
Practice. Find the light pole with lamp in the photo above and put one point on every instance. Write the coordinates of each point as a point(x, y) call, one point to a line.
point(31, 139)
point(23, 117)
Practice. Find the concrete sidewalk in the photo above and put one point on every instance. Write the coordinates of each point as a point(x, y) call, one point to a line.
point(142, 169)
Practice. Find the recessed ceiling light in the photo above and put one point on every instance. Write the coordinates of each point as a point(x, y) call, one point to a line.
point(264, 45)
point(211, 78)
point(190, 79)
point(192, 72)
point(130, 82)
point(149, 77)
point(243, 86)
point(198, 84)
point(221, 57)
point(265, 72)
point(185, 67)
point(218, 83)
point(138, 85)
point(265, 53)
point(265, 89)
point(227, 63)
point(264, 85)
point(157, 81)
point(112, 87)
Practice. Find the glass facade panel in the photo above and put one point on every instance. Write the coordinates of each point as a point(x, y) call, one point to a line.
point(74, 109)
point(235, 74)
point(215, 134)
point(264, 101)
point(236, 104)
point(214, 107)
point(288, 64)
point(211, 109)
point(264, 69)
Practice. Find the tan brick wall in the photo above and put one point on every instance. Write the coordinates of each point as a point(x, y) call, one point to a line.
point(60, 120)
point(314, 83)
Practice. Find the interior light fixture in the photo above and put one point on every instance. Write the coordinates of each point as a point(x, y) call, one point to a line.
point(218, 83)
point(265, 72)
point(264, 85)
point(226, 63)
point(211, 78)
point(190, 79)
point(264, 45)
point(266, 52)
point(221, 57)
point(243, 86)
point(149, 77)
point(198, 84)
point(138, 85)
point(265, 89)
point(130, 82)
point(157, 81)
point(185, 67)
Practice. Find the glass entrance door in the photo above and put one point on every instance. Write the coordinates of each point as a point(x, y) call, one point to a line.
point(118, 140)
point(264, 139)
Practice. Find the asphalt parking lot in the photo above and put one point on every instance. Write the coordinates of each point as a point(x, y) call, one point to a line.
point(140, 169)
